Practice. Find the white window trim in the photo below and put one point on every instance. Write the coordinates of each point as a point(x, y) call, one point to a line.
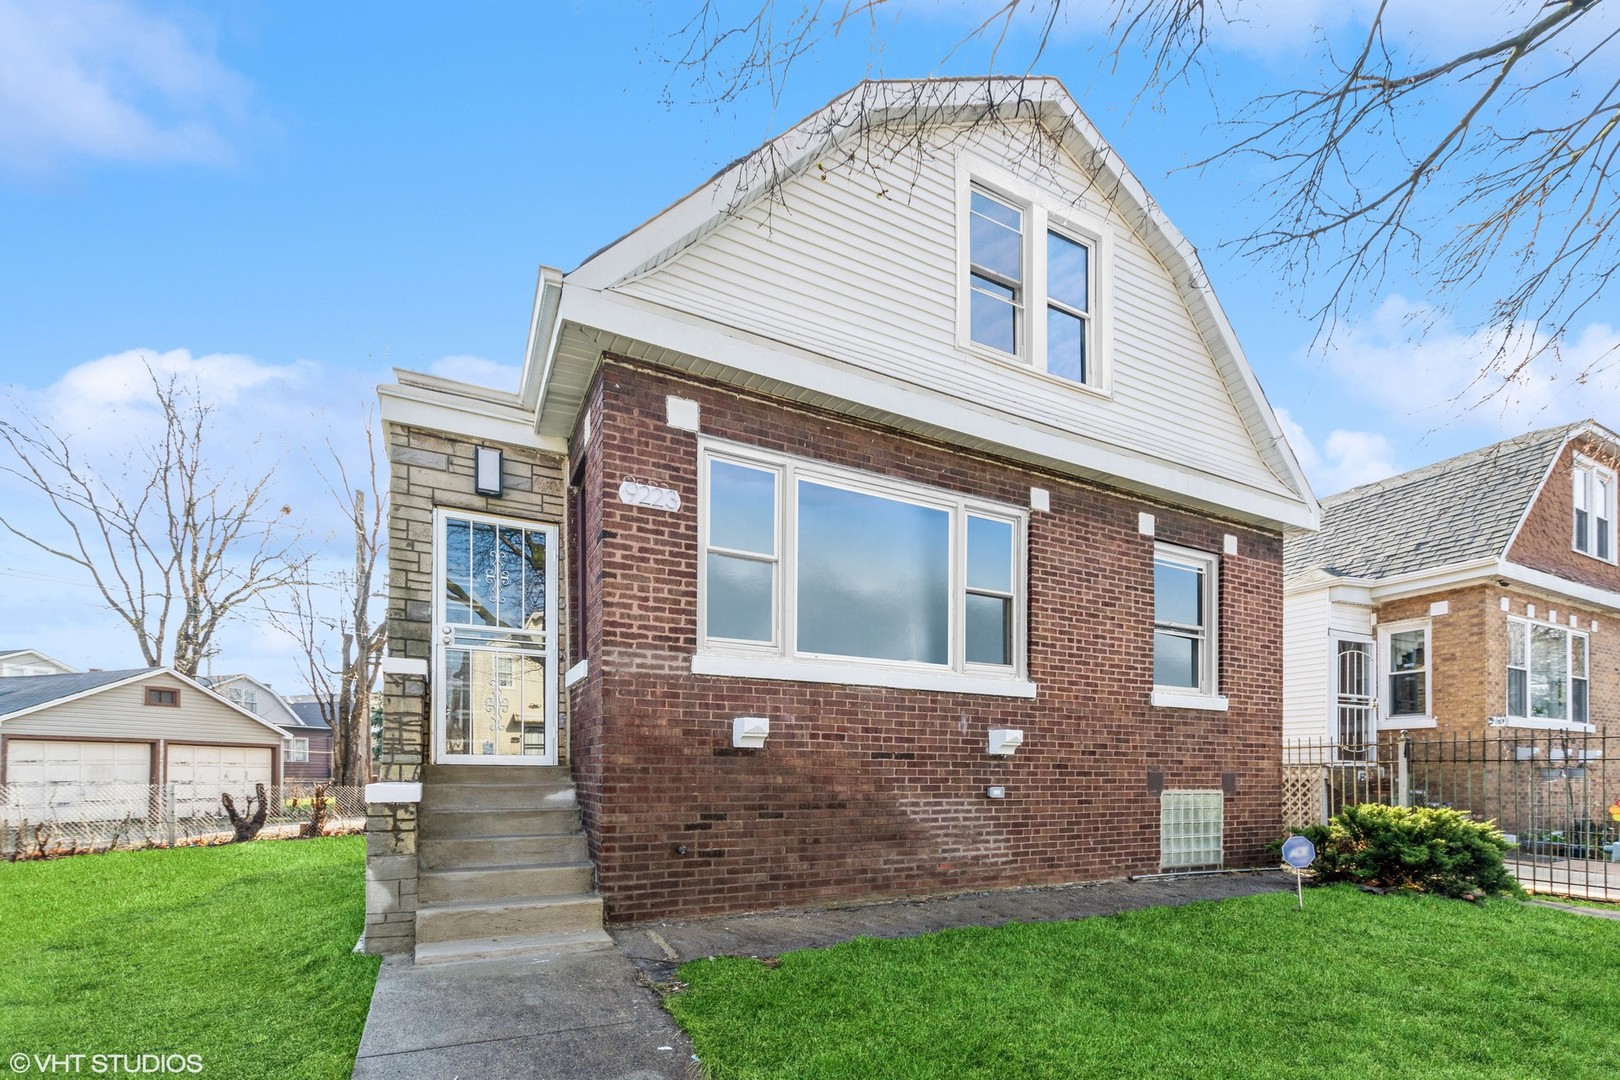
point(1044, 211)
point(1381, 658)
point(779, 659)
point(1207, 695)
point(1585, 465)
point(1545, 723)
point(299, 751)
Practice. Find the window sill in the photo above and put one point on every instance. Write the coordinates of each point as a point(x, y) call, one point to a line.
point(1406, 723)
point(1029, 367)
point(1540, 724)
point(820, 671)
point(576, 673)
point(1177, 699)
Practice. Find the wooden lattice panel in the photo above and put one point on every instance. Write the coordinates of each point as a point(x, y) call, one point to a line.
point(1302, 795)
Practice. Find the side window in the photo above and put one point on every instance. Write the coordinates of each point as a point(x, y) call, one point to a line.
point(1184, 640)
point(1406, 671)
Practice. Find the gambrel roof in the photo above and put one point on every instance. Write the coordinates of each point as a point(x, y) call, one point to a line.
point(1462, 510)
point(651, 296)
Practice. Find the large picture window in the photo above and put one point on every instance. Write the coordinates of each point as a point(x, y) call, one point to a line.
point(805, 561)
point(1547, 673)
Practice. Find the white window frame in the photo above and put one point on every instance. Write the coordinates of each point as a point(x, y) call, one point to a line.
point(1384, 662)
point(298, 750)
point(1044, 211)
point(780, 657)
point(1207, 694)
point(1584, 475)
point(1544, 722)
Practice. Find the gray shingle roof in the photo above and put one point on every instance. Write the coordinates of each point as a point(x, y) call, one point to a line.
point(27, 691)
point(1454, 511)
point(309, 713)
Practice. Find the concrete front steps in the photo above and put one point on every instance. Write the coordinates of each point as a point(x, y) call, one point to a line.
point(504, 869)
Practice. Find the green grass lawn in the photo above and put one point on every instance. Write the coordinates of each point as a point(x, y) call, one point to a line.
point(238, 954)
point(1354, 986)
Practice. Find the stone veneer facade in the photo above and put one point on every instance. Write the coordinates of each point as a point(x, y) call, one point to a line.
point(431, 469)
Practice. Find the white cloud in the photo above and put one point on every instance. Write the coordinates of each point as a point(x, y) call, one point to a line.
point(1345, 459)
point(477, 370)
point(1426, 374)
point(103, 79)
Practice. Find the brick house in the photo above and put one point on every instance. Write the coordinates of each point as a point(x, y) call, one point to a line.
point(895, 514)
point(1476, 593)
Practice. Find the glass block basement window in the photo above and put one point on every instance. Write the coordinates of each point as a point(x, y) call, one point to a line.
point(1190, 829)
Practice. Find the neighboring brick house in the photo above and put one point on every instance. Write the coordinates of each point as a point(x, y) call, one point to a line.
point(857, 530)
point(1479, 592)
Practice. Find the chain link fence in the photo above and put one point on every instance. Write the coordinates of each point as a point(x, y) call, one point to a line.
point(47, 820)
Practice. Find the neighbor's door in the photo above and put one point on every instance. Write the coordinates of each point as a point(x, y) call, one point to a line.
point(1354, 703)
point(495, 647)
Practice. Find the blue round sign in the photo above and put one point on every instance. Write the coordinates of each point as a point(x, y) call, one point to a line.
point(1298, 852)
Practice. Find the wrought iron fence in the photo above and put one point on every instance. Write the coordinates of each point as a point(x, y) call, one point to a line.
point(1556, 794)
point(41, 820)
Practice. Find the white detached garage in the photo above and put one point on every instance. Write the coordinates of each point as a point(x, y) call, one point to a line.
point(106, 737)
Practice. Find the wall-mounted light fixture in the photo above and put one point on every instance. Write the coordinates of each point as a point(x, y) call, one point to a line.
point(750, 732)
point(1005, 741)
point(487, 471)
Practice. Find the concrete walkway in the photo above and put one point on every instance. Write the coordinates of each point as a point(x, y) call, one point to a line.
point(594, 1016)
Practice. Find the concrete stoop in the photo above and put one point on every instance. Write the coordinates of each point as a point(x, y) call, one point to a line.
point(504, 870)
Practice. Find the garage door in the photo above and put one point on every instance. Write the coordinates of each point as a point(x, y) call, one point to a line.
point(200, 774)
point(47, 780)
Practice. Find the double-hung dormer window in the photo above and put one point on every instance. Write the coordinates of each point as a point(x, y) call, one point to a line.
point(1032, 274)
point(1594, 510)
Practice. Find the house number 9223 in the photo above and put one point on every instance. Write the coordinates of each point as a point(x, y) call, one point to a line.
point(637, 493)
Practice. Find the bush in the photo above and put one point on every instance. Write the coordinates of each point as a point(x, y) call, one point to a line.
point(1424, 849)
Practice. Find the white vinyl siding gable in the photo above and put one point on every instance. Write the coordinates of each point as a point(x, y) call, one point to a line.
point(888, 262)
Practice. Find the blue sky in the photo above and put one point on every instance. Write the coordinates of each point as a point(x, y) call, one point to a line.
point(285, 200)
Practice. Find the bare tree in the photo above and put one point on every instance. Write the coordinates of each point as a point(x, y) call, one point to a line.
point(331, 621)
point(1500, 156)
point(175, 547)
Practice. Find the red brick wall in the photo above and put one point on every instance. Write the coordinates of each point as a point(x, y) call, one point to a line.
point(1545, 540)
point(865, 791)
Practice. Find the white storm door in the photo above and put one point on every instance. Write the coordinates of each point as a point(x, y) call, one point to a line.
point(495, 647)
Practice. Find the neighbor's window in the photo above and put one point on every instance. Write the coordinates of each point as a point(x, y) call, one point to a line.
point(1546, 672)
point(1406, 671)
point(1031, 283)
point(1594, 510)
point(299, 751)
point(807, 560)
point(245, 696)
point(1184, 620)
point(161, 695)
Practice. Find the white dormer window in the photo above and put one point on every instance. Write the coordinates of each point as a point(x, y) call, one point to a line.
point(1033, 275)
point(1594, 510)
